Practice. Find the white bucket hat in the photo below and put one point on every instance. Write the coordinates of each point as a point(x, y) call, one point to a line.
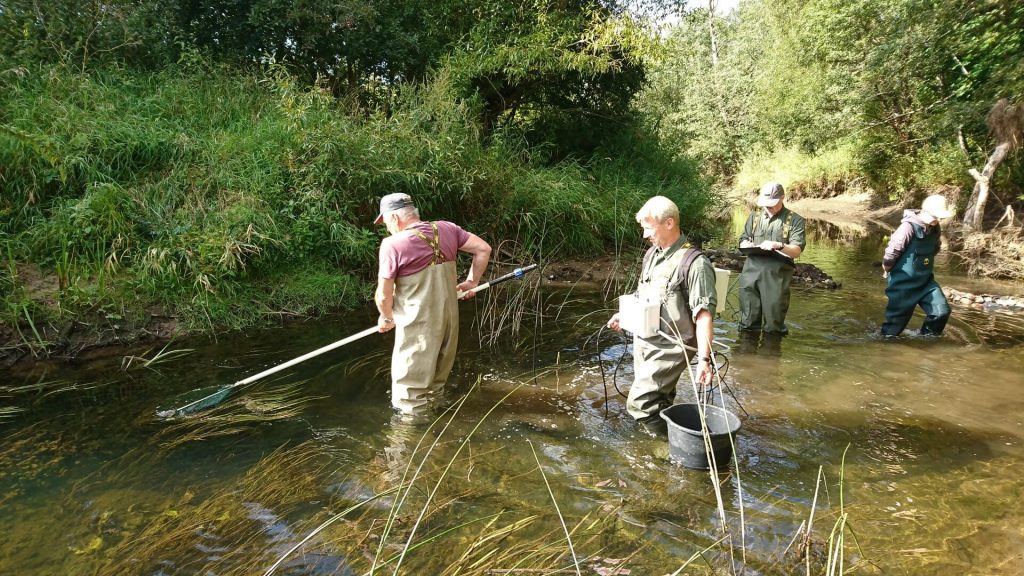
point(936, 206)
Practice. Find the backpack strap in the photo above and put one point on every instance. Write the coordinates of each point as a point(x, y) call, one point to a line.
point(682, 278)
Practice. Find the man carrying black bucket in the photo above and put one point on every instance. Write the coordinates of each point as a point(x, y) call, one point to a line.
point(417, 297)
point(682, 279)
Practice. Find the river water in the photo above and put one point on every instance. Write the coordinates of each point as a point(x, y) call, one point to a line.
point(905, 455)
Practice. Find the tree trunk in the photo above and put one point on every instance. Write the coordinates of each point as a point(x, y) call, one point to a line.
point(711, 33)
point(974, 214)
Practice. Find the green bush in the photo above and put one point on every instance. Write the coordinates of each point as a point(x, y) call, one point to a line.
point(229, 197)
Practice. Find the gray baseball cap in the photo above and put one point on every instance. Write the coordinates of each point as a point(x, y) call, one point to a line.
point(393, 202)
point(770, 195)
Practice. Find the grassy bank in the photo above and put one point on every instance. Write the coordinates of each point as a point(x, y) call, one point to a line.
point(828, 172)
point(225, 199)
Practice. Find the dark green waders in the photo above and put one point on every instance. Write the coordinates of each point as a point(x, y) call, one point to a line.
point(912, 283)
point(764, 294)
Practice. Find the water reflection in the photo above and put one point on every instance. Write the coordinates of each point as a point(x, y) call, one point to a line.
point(757, 342)
point(926, 435)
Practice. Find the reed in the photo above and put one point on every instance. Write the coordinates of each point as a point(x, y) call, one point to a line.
point(399, 501)
point(444, 473)
point(163, 355)
point(554, 502)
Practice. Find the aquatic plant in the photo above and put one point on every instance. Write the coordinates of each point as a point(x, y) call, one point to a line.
point(230, 524)
point(28, 454)
point(476, 545)
point(236, 415)
point(164, 355)
point(8, 412)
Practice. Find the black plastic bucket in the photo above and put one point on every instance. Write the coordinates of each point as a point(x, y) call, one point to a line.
point(686, 441)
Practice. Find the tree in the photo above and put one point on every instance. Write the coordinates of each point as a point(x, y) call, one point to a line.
point(563, 72)
point(1006, 123)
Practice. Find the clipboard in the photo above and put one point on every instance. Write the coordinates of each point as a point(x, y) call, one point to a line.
point(756, 251)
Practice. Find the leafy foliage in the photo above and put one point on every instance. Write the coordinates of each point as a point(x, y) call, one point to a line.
point(898, 83)
point(223, 158)
point(230, 196)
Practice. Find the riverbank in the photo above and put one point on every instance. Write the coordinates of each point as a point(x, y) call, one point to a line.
point(991, 302)
point(99, 333)
point(252, 200)
point(607, 272)
point(853, 208)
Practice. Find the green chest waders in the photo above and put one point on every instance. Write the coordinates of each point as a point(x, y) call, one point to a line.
point(764, 281)
point(426, 315)
point(912, 283)
point(658, 362)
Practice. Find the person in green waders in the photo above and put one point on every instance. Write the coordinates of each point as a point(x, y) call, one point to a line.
point(683, 279)
point(765, 279)
point(416, 296)
point(908, 264)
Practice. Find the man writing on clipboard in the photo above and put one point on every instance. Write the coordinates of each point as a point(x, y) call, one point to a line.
point(772, 238)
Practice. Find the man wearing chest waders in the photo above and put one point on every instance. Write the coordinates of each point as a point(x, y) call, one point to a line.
point(683, 280)
point(908, 264)
point(765, 279)
point(417, 297)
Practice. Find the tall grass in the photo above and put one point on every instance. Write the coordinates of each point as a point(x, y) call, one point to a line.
point(229, 197)
point(803, 174)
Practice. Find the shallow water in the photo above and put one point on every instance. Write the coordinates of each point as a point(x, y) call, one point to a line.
point(919, 444)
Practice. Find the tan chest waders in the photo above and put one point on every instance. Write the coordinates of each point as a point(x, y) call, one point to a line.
point(426, 315)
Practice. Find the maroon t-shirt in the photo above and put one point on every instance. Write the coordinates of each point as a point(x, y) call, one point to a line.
point(405, 253)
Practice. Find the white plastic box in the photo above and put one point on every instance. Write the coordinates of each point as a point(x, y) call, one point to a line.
point(721, 289)
point(639, 315)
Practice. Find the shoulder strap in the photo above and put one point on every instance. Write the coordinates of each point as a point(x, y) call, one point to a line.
point(916, 230)
point(434, 243)
point(787, 224)
point(648, 257)
point(683, 271)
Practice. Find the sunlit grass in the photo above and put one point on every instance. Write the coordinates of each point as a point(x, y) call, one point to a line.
point(801, 173)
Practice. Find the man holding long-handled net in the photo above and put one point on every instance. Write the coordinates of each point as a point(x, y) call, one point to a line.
point(417, 296)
